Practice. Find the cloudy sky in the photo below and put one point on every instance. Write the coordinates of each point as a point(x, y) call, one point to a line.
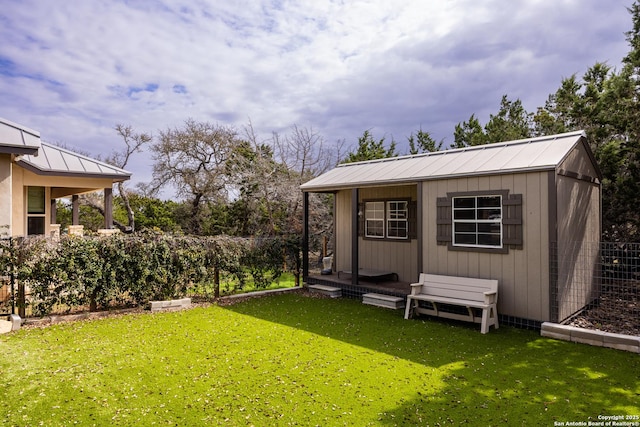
point(74, 69)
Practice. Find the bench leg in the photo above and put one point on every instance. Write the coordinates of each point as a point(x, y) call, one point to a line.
point(407, 310)
point(489, 317)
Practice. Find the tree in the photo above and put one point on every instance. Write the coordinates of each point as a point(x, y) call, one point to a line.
point(469, 133)
point(268, 175)
point(510, 123)
point(606, 105)
point(422, 142)
point(193, 160)
point(134, 143)
point(370, 149)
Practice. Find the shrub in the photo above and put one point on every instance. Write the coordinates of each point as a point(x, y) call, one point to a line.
point(98, 272)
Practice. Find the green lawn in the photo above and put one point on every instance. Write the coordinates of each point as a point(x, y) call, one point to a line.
point(294, 360)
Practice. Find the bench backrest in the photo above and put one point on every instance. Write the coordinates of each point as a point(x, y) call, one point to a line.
point(466, 288)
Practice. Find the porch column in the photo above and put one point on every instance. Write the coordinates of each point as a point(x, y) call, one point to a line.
point(419, 229)
point(355, 195)
point(75, 210)
point(54, 209)
point(305, 236)
point(108, 208)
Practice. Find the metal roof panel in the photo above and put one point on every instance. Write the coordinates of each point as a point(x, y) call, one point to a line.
point(15, 138)
point(512, 156)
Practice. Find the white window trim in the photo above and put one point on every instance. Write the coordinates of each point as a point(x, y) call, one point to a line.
point(388, 219)
point(476, 221)
point(385, 218)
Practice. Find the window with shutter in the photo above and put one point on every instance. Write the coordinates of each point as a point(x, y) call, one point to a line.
point(484, 221)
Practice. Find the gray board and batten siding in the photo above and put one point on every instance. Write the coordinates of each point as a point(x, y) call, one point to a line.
point(550, 189)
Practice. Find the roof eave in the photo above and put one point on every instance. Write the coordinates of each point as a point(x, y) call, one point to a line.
point(114, 177)
point(390, 183)
point(19, 151)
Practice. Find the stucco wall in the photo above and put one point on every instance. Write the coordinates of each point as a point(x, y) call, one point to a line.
point(5, 193)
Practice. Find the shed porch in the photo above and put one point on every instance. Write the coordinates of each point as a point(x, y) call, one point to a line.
point(344, 282)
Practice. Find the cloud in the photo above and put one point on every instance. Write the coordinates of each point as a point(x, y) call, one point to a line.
point(73, 70)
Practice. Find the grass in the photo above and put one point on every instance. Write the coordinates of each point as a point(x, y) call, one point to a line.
point(293, 360)
point(231, 286)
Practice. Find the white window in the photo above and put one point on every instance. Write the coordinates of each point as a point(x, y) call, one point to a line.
point(386, 219)
point(35, 210)
point(397, 220)
point(374, 219)
point(477, 221)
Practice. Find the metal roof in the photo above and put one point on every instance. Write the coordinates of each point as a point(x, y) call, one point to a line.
point(17, 139)
point(534, 154)
point(52, 160)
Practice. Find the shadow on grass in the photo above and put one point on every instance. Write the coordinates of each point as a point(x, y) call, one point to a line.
point(506, 377)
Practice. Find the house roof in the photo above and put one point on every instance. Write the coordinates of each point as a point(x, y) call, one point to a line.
point(534, 154)
point(17, 139)
point(53, 160)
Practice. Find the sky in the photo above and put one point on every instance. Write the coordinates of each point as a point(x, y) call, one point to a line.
point(73, 70)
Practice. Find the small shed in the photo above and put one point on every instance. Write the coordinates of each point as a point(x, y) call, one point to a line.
point(525, 212)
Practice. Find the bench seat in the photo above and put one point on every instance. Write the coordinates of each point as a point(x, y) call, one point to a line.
point(466, 292)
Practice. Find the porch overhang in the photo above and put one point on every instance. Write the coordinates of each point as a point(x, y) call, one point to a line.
point(56, 161)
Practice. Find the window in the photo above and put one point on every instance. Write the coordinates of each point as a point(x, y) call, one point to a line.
point(35, 210)
point(374, 219)
point(477, 221)
point(397, 216)
point(386, 219)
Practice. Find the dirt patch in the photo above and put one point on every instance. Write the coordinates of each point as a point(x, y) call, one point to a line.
point(616, 311)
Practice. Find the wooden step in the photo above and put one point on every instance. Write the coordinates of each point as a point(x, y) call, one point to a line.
point(326, 290)
point(386, 301)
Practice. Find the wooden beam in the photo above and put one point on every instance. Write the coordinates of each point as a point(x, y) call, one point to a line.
point(305, 236)
point(108, 208)
point(355, 195)
point(75, 210)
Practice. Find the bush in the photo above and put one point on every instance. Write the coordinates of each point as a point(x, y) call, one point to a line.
point(131, 270)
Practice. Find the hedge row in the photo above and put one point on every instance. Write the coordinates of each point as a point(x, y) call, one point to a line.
point(131, 270)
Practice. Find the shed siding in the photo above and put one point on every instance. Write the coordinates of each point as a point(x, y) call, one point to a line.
point(523, 274)
point(579, 230)
point(343, 230)
point(397, 256)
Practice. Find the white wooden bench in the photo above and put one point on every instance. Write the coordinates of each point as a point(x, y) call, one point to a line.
point(460, 291)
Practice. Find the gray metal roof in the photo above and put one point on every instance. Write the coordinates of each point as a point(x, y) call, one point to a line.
point(543, 153)
point(17, 139)
point(52, 160)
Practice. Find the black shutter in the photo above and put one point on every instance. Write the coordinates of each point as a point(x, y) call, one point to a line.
point(360, 219)
point(512, 221)
point(443, 206)
point(413, 219)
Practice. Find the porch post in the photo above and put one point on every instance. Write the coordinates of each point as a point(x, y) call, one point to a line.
point(355, 195)
point(305, 236)
point(75, 210)
point(54, 211)
point(108, 208)
point(419, 230)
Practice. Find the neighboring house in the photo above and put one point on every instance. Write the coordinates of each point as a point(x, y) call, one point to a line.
point(33, 174)
point(527, 213)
